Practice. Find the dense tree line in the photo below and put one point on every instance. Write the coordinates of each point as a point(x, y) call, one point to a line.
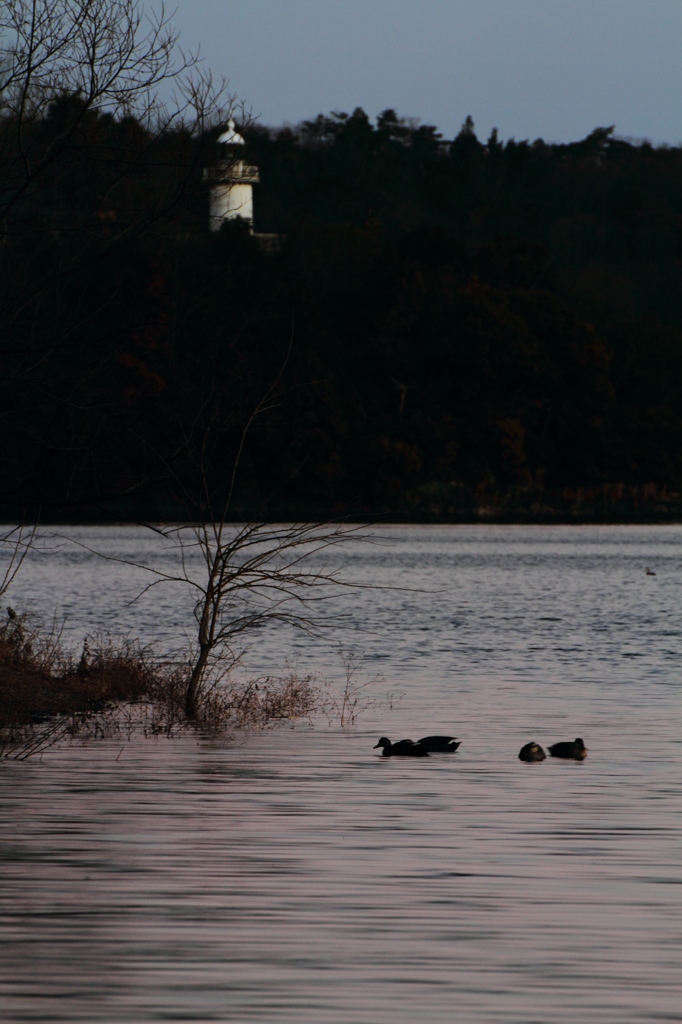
point(450, 328)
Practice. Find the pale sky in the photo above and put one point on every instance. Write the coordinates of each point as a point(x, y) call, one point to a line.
point(554, 69)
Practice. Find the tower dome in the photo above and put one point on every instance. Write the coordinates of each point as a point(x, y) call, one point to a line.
point(231, 136)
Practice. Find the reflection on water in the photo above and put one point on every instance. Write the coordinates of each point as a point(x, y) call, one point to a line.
point(294, 876)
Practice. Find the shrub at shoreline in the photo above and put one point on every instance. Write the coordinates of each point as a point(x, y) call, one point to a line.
point(115, 688)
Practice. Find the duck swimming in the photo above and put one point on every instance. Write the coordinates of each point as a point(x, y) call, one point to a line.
point(403, 748)
point(532, 752)
point(572, 751)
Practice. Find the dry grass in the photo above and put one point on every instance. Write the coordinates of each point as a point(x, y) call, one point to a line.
point(38, 679)
point(343, 703)
point(47, 694)
point(115, 688)
point(259, 703)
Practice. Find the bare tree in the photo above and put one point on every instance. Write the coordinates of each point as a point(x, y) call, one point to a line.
point(243, 576)
point(254, 575)
point(248, 576)
point(251, 574)
point(113, 59)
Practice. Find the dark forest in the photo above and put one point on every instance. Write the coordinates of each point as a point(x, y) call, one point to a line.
point(447, 331)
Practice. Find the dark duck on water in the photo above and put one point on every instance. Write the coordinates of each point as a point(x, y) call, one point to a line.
point(532, 752)
point(422, 748)
point(570, 750)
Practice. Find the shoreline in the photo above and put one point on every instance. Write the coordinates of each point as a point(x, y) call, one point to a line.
point(504, 514)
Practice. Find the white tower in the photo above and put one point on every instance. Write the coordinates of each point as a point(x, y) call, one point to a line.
point(231, 181)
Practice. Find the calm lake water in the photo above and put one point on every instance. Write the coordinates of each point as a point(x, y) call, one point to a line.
point(294, 876)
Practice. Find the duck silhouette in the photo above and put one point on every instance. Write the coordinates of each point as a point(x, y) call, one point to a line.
point(532, 752)
point(403, 748)
point(571, 750)
point(427, 744)
point(650, 572)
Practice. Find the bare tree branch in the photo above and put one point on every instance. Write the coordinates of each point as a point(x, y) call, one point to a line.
point(18, 540)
